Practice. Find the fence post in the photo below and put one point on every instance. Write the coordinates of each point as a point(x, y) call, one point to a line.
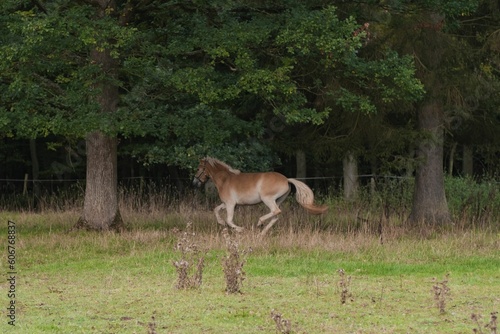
point(25, 186)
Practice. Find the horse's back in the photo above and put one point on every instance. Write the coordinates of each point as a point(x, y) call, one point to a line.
point(267, 183)
point(256, 185)
point(269, 178)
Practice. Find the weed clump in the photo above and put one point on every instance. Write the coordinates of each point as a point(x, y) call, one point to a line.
point(190, 266)
point(344, 284)
point(492, 325)
point(152, 325)
point(232, 264)
point(441, 292)
point(283, 326)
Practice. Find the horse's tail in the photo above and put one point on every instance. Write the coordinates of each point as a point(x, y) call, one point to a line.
point(305, 197)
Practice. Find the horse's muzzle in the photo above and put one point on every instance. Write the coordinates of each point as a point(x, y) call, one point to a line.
point(196, 182)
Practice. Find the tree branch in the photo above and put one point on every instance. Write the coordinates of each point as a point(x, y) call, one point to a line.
point(40, 6)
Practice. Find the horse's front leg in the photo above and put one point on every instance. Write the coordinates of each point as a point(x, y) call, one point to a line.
point(219, 218)
point(230, 214)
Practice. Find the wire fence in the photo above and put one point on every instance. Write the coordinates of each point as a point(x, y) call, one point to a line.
point(473, 201)
point(375, 176)
point(332, 185)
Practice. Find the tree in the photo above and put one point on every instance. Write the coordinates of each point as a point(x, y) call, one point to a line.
point(429, 200)
point(422, 30)
point(100, 208)
point(298, 62)
point(60, 64)
point(474, 124)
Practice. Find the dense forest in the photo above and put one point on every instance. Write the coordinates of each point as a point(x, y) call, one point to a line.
point(107, 91)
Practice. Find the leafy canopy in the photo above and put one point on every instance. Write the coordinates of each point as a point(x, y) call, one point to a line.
point(195, 78)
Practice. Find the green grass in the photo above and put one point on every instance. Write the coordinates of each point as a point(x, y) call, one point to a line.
point(85, 282)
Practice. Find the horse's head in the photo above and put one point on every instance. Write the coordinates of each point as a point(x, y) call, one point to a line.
point(201, 175)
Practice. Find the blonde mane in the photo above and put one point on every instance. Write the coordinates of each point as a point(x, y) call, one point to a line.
point(213, 162)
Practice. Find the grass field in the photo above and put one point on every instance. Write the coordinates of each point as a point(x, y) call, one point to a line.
point(87, 282)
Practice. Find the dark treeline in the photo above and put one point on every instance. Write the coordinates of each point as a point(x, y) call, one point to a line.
point(109, 91)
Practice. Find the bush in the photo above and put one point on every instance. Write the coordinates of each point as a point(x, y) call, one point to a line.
point(190, 266)
point(471, 202)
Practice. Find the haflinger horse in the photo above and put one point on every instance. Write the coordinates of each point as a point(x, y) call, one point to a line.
point(235, 187)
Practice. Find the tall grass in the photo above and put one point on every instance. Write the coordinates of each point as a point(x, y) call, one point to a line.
point(381, 210)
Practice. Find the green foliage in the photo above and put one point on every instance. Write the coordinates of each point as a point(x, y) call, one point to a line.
point(183, 136)
point(298, 51)
point(199, 78)
point(319, 32)
point(393, 194)
point(277, 59)
point(451, 9)
point(47, 77)
point(472, 201)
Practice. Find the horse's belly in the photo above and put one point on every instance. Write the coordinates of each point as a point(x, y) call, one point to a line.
point(249, 199)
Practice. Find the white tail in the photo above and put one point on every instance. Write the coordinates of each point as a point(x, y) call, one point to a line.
point(305, 197)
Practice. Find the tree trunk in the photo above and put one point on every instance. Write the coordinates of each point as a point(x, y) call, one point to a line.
point(350, 166)
point(35, 168)
point(300, 157)
point(451, 160)
point(100, 207)
point(468, 161)
point(429, 200)
point(410, 163)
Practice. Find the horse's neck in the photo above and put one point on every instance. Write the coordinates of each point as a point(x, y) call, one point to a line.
point(219, 174)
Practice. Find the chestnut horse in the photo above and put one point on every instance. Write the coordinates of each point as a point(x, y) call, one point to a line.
point(235, 187)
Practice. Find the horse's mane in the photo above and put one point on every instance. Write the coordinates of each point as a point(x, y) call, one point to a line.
point(213, 162)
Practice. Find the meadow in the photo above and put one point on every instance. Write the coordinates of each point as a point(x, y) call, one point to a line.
point(350, 271)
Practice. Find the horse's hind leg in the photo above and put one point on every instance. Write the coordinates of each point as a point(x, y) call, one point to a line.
point(273, 205)
point(268, 226)
point(282, 198)
point(275, 210)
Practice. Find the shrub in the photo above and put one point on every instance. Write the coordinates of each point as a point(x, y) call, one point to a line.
point(283, 325)
point(190, 266)
point(232, 264)
point(344, 284)
point(441, 292)
point(472, 203)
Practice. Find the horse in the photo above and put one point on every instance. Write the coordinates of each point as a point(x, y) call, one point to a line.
point(237, 188)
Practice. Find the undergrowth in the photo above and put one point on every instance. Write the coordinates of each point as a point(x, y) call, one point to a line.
point(472, 204)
